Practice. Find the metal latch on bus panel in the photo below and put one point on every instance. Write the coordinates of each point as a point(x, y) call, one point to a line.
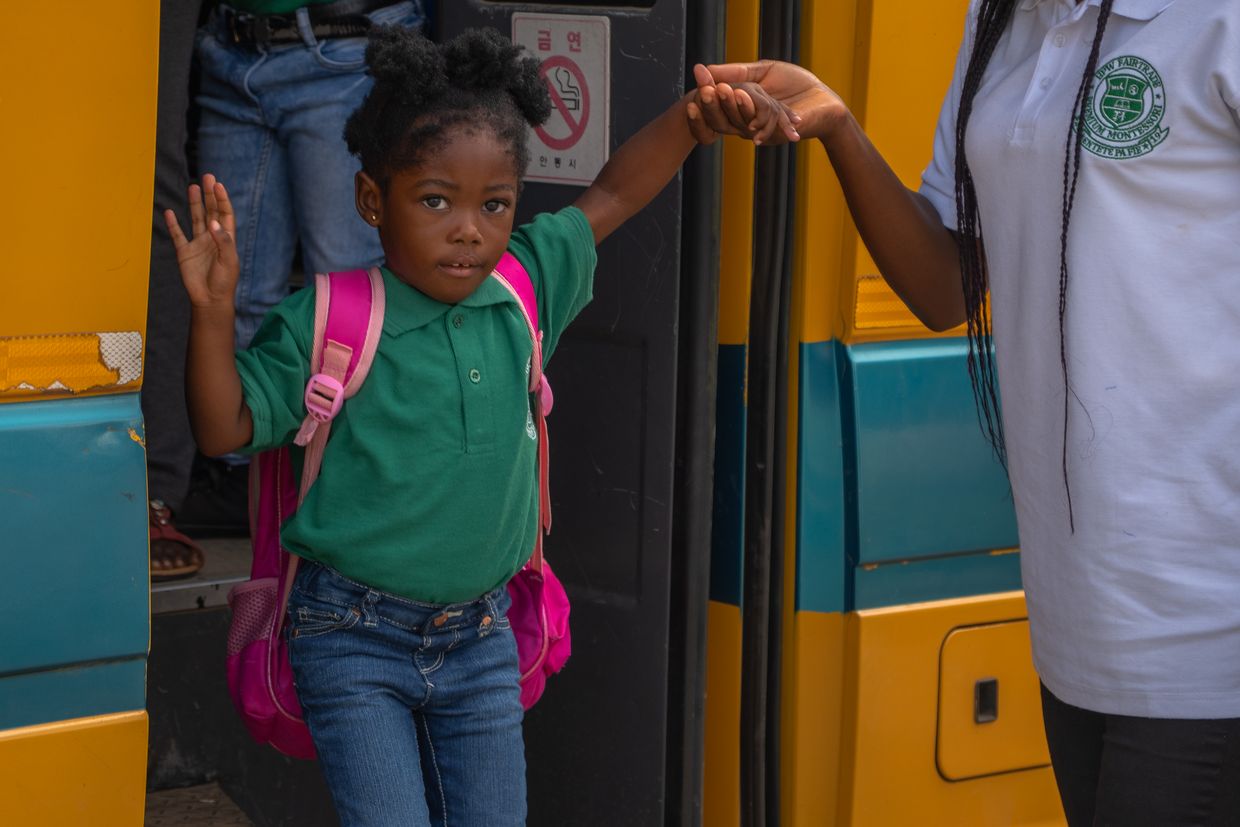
point(986, 700)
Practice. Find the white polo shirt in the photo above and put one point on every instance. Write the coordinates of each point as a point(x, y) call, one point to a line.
point(1138, 611)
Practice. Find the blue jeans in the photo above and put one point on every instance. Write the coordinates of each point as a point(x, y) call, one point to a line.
point(272, 119)
point(414, 709)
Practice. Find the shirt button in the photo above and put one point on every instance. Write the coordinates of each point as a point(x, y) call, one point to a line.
point(475, 376)
point(1045, 83)
point(1060, 40)
point(457, 321)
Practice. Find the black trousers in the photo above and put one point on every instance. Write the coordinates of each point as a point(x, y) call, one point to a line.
point(1123, 771)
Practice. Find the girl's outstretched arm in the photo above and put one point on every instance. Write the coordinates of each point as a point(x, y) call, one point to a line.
point(645, 163)
point(638, 171)
point(209, 269)
point(915, 253)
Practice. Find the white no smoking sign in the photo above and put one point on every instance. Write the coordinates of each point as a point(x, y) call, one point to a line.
point(575, 50)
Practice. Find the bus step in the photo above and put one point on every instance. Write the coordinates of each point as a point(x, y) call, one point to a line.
point(205, 805)
point(226, 562)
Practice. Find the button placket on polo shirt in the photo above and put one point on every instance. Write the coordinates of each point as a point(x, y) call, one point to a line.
point(1056, 55)
point(477, 403)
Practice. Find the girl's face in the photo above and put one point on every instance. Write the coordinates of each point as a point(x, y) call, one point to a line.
point(445, 223)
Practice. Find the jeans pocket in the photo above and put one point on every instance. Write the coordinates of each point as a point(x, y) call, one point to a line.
point(341, 54)
point(305, 621)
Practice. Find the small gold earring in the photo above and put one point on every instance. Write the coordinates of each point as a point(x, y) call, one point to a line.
point(374, 217)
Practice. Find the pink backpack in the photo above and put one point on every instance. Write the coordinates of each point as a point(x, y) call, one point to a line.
point(347, 322)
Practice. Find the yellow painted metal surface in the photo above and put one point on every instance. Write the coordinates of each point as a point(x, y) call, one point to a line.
point(76, 162)
point(1014, 740)
point(823, 228)
point(84, 771)
point(905, 61)
point(34, 366)
point(721, 796)
point(891, 61)
point(736, 197)
point(812, 708)
point(889, 773)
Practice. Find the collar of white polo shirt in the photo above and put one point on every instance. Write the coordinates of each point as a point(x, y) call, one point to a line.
point(1134, 9)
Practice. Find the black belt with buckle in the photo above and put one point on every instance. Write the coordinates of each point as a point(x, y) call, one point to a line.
point(343, 18)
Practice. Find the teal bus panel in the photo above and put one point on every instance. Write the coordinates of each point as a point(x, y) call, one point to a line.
point(73, 692)
point(926, 481)
point(820, 517)
point(728, 527)
point(73, 516)
point(937, 578)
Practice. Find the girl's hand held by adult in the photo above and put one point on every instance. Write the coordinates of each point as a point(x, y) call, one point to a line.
point(815, 108)
point(208, 263)
point(743, 109)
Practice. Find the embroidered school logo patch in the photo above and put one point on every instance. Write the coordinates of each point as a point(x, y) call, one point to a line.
point(1125, 110)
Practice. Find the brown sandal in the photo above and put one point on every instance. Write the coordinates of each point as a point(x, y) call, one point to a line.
point(173, 555)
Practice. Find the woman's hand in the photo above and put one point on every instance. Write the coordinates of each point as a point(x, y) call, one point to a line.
point(744, 109)
point(814, 109)
point(209, 264)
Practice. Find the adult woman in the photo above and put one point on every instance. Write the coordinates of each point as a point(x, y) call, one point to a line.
point(1086, 172)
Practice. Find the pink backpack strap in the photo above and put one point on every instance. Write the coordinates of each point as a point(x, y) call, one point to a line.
point(348, 319)
point(516, 281)
point(512, 275)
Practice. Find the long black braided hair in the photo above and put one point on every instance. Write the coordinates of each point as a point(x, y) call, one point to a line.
point(422, 90)
point(993, 17)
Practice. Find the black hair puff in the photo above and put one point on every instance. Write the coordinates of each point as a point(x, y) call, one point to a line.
point(483, 59)
point(421, 89)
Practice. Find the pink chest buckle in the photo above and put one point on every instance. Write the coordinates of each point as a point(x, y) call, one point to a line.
point(324, 397)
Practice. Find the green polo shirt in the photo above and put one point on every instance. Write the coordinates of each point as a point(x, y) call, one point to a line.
point(274, 6)
point(428, 486)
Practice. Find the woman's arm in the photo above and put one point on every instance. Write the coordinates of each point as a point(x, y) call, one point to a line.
point(915, 253)
point(209, 268)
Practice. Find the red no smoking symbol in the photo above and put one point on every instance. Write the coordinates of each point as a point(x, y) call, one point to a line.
point(571, 98)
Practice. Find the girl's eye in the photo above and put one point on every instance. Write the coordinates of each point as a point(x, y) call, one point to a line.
point(495, 207)
point(435, 202)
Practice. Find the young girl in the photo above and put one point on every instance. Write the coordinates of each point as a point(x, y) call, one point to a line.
point(1094, 147)
point(425, 507)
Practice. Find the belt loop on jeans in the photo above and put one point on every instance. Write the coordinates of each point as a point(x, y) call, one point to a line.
point(492, 598)
point(305, 27)
point(369, 616)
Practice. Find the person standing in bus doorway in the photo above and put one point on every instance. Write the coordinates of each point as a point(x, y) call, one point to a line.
point(1086, 175)
point(427, 502)
point(278, 79)
point(169, 443)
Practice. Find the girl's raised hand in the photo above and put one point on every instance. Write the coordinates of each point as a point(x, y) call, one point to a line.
point(209, 264)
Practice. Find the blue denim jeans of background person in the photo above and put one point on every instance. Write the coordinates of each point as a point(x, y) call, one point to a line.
point(415, 709)
point(272, 118)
